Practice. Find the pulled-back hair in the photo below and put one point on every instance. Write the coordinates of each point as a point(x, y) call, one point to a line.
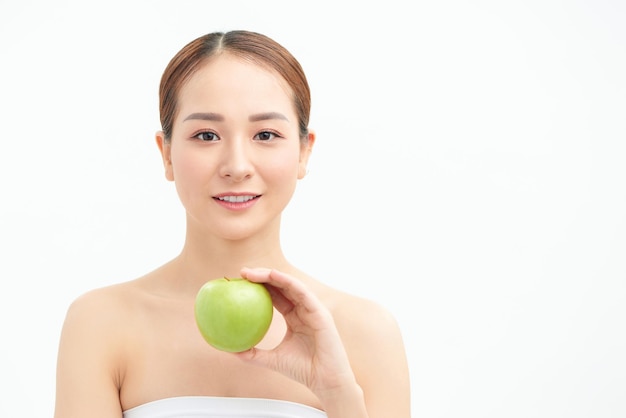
point(251, 46)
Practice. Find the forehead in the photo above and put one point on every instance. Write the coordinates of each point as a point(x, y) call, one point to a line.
point(227, 74)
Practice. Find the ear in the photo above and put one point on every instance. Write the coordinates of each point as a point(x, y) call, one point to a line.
point(305, 153)
point(165, 147)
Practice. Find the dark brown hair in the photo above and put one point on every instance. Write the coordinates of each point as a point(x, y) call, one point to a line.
point(252, 46)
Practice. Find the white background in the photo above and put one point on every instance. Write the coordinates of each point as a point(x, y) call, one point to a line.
point(469, 174)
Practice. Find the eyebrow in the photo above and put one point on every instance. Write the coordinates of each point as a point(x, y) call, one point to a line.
point(216, 117)
point(205, 116)
point(266, 116)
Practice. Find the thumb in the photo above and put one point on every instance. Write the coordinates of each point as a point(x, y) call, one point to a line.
point(255, 356)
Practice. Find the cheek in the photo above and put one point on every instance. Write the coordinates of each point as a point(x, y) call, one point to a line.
point(283, 165)
point(185, 164)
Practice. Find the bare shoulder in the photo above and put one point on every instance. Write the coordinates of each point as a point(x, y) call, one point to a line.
point(90, 366)
point(102, 305)
point(363, 323)
point(360, 319)
point(97, 321)
point(374, 343)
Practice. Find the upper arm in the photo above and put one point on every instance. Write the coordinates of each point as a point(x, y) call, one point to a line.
point(378, 357)
point(88, 372)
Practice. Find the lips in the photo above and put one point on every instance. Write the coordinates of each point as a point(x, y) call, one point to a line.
point(236, 198)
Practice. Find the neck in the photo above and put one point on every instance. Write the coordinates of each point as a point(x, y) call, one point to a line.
point(205, 257)
point(219, 258)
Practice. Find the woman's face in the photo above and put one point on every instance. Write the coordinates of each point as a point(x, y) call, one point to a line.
point(235, 154)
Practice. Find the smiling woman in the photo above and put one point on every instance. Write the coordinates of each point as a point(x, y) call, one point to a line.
point(223, 131)
point(235, 140)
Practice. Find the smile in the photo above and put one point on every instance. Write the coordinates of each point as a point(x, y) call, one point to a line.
point(236, 199)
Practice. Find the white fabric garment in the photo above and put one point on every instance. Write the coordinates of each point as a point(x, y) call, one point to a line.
point(222, 407)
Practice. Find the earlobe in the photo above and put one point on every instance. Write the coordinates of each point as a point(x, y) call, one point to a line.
point(165, 148)
point(305, 153)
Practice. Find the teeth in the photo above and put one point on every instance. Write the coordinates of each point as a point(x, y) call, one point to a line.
point(236, 199)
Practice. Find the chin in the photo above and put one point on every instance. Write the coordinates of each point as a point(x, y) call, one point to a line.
point(238, 233)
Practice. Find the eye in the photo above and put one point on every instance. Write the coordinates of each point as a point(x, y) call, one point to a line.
point(206, 136)
point(265, 136)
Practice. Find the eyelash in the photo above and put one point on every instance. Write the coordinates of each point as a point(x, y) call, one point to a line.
point(214, 136)
point(271, 133)
point(199, 136)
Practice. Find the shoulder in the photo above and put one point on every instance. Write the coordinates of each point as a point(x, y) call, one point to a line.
point(98, 315)
point(102, 304)
point(102, 318)
point(362, 322)
point(373, 341)
point(91, 346)
point(361, 319)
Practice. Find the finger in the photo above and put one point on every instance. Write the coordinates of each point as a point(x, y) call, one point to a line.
point(292, 288)
point(282, 304)
point(263, 358)
point(258, 275)
point(262, 276)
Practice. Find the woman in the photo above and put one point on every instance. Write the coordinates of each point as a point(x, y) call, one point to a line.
point(235, 140)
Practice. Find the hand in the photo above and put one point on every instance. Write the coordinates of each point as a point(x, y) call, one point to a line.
point(311, 351)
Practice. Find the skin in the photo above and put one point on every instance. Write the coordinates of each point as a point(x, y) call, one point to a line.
point(137, 341)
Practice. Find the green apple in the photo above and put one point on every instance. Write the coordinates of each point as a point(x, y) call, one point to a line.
point(233, 314)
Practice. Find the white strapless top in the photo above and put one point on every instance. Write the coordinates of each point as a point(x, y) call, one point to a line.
point(218, 407)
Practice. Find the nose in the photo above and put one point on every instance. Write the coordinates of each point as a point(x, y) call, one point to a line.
point(236, 164)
